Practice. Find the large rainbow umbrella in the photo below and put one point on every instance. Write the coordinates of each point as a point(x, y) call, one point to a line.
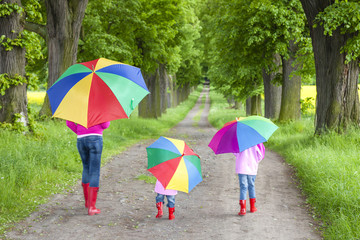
point(240, 134)
point(98, 91)
point(174, 164)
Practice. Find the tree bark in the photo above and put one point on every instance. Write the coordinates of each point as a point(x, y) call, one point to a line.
point(174, 92)
point(163, 87)
point(255, 105)
point(272, 92)
point(36, 28)
point(183, 92)
point(237, 105)
point(336, 82)
point(12, 62)
point(248, 106)
point(149, 107)
point(291, 88)
point(64, 19)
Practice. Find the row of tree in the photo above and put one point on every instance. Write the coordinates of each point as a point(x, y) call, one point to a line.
point(244, 47)
point(159, 36)
point(272, 46)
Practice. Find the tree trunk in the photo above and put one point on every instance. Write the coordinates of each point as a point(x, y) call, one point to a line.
point(174, 92)
point(258, 105)
point(170, 92)
point(337, 101)
point(163, 87)
point(64, 19)
point(248, 106)
point(291, 88)
point(186, 91)
point(237, 105)
point(149, 107)
point(12, 63)
point(230, 100)
point(183, 92)
point(255, 105)
point(272, 92)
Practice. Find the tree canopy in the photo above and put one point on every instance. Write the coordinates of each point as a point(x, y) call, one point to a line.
point(231, 42)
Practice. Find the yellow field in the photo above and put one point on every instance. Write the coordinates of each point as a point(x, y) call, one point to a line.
point(36, 97)
point(308, 91)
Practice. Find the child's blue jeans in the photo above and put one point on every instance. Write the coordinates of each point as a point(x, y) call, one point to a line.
point(90, 149)
point(170, 199)
point(247, 182)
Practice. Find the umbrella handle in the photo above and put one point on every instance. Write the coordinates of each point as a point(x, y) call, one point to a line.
point(132, 104)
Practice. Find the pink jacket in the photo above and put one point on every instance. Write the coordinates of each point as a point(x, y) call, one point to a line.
point(83, 131)
point(161, 190)
point(247, 161)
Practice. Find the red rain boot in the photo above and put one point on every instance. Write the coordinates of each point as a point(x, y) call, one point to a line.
point(86, 193)
point(93, 191)
point(252, 205)
point(242, 207)
point(171, 213)
point(159, 206)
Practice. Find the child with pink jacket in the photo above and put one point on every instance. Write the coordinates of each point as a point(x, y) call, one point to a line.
point(246, 166)
point(170, 195)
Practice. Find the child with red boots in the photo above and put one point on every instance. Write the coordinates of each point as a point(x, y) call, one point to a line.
point(246, 165)
point(170, 195)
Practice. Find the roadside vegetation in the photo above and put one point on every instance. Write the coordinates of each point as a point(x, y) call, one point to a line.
point(35, 166)
point(327, 167)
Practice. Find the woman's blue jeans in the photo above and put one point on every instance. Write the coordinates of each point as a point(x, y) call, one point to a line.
point(247, 182)
point(170, 199)
point(90, 149)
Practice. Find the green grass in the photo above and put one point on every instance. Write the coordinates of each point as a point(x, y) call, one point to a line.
point(147, 179)
point(328, 168)
point(34, 167)
point(220, 111)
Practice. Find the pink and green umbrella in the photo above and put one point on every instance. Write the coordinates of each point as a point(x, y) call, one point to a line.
point(98, 91)
point(174, 164)
point(240, 134)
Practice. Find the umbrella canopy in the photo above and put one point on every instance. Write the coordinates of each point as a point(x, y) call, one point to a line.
point(98, 91)
point(174, 164)
point(243, 133)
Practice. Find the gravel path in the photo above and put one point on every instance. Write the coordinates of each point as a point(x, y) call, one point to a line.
point(208, 212)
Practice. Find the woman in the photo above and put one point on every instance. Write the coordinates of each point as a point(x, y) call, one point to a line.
point(89, 145)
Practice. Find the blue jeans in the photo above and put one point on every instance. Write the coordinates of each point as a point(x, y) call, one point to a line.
point(170, 199)
point(90, 149)
point(247, 182)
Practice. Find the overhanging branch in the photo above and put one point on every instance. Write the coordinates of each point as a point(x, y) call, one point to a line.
point(36, 28)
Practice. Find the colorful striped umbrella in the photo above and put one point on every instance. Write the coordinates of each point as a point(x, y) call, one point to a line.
point(242, 133)
point(174, 164)
point(98, 91)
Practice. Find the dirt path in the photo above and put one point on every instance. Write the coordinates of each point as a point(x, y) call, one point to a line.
point(208, 212)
